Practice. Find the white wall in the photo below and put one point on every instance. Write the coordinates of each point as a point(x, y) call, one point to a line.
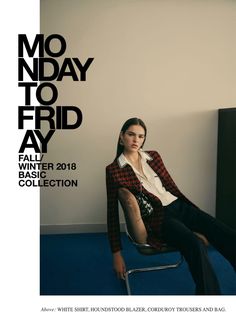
point(171, 63)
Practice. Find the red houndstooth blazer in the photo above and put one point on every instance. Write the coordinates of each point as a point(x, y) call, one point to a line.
point(116, 177)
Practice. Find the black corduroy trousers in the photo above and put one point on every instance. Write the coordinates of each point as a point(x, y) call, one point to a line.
point(180, 221)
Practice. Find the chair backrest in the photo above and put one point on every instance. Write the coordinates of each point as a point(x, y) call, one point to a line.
point(135, 228)
point(133, 219)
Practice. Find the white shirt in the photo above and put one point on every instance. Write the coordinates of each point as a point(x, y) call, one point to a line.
point(151, 181)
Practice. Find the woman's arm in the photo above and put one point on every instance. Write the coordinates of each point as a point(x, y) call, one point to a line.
point(119, 265)
point(113, 223)
point(166, 178)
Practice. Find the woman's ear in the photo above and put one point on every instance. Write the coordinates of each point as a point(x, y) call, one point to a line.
point(121, 138)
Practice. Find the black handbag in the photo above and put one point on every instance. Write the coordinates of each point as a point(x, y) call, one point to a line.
point(145, 205)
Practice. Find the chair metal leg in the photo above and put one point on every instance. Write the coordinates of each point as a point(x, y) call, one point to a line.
point(146, 269)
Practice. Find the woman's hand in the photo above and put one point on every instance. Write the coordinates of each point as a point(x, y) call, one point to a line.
point(119, 265)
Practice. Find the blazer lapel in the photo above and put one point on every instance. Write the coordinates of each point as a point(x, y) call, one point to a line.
point(158, 169)
point(154, 165)
point(129, 179)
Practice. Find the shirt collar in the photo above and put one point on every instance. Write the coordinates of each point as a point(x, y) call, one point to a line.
point(122, 161)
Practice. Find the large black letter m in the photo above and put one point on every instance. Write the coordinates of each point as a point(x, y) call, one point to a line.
point(24, 43)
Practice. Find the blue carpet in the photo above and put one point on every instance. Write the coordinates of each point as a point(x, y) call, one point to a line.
point(81, 264)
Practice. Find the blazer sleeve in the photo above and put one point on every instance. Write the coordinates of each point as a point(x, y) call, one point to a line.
point(113, 223)
point(167, 179)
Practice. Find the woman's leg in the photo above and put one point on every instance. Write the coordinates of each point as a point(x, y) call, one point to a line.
point(176, 234)
point(218, 234)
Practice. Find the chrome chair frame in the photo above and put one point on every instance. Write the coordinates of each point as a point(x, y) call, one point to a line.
point(146, 249)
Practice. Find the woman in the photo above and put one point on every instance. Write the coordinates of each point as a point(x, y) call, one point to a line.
point(170, 217)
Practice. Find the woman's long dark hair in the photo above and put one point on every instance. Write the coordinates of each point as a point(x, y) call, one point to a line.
point(126, 125)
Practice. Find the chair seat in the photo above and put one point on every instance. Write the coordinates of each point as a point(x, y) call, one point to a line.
point(146, 249)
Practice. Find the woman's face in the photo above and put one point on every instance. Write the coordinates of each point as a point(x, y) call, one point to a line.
point(133, 138)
